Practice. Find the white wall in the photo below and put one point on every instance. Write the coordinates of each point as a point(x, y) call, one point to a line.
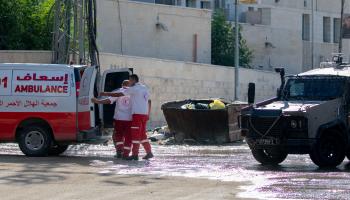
point(139, 36)
point(25, 56)
point(173, 80)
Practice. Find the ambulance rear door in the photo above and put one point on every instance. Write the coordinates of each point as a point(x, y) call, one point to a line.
point(86, 109)
point(111, 81)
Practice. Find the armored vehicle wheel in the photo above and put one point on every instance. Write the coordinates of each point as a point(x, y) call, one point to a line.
point(329, 150)
point(56, 150)
point(35, 141)
point(269, 157)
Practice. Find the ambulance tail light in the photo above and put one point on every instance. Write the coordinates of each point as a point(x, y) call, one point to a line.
point(77, 80)
point(78, 88)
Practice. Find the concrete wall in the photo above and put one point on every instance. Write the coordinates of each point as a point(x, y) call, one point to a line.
point(169, 80)
point(25, 56)
point(135, 32)
point(173, 80)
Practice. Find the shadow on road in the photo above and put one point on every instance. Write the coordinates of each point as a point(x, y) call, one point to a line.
point(22, 170)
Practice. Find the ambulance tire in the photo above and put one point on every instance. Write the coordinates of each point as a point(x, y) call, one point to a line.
point(35, 141)
point(57, 150)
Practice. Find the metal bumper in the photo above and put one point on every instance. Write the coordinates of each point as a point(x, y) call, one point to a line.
point(292, 146)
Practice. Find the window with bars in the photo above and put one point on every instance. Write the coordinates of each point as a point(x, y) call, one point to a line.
point(191, 3)
point(205, 5)
point(336, 30)
point(306, 27)
point(326, 29)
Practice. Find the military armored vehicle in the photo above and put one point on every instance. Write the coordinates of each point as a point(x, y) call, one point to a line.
point(309, 115)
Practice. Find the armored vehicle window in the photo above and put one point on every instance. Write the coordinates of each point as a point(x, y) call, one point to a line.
point(313, 89)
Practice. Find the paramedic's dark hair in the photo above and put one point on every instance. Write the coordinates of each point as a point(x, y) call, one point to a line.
point(125, 83)
point(134, 77)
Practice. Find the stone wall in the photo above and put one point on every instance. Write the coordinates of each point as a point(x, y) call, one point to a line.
point(172, 80)
point(25, 56)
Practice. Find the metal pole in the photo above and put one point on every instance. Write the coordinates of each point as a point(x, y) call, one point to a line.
point(341, 27)
point(312, 35)
point(75, 34)
point(236, 51)
point(81, 31)
point(56, 33)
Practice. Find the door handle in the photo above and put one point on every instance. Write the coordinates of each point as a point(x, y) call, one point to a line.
point(91, 108)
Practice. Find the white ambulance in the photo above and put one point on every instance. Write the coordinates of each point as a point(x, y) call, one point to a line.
point(45, 107)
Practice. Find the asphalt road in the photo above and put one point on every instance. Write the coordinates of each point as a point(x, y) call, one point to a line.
point(177, 172)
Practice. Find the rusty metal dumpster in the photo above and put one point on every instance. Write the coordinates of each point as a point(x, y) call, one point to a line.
point(203, 126)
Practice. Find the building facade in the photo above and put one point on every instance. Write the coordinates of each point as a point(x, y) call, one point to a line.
point(281, 32)
point(154, 30)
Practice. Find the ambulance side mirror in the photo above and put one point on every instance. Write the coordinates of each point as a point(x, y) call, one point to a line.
point(251, 93)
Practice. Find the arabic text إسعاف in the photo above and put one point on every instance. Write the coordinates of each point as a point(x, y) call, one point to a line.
point(34, 77)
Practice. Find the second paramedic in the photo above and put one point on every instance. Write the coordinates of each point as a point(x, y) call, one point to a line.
point(122, 123)
point(141, 107)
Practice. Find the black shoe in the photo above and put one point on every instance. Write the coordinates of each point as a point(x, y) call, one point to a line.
point(118, 155)
point(131, 158)
point(148, 156)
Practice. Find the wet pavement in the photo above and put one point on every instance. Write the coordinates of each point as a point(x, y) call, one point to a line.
point(296, 178)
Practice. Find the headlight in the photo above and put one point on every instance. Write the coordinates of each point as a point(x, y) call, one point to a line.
point(293, 124)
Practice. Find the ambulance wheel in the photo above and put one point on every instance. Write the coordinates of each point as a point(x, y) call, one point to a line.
point(57, 150)
point(329, 150)
point(35, 141)
point(269, 157)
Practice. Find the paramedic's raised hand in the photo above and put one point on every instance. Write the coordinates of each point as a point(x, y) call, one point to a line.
point(94, 100)
point(103, 94)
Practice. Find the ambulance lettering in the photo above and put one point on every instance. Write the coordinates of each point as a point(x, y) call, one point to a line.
point(40, 83)
point(41, 89)
point(3, 82)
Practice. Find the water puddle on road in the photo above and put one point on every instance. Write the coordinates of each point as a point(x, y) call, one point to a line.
point(296, 178)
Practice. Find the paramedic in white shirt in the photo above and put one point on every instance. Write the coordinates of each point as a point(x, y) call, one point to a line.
point(140, 109)
point(122, 121)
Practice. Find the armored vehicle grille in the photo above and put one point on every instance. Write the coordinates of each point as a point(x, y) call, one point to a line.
point(262, 125)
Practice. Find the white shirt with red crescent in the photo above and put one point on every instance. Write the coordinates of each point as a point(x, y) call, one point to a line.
point(122, 107)
point(139, 96)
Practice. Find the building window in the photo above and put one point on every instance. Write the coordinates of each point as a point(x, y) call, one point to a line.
point(205, 4)
point(166, 2)
point(191, 3)
point(178, 2)
point(326, 29)
point(336, 30)
point(217, 4)
point(305, 3)
point(306, 27)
